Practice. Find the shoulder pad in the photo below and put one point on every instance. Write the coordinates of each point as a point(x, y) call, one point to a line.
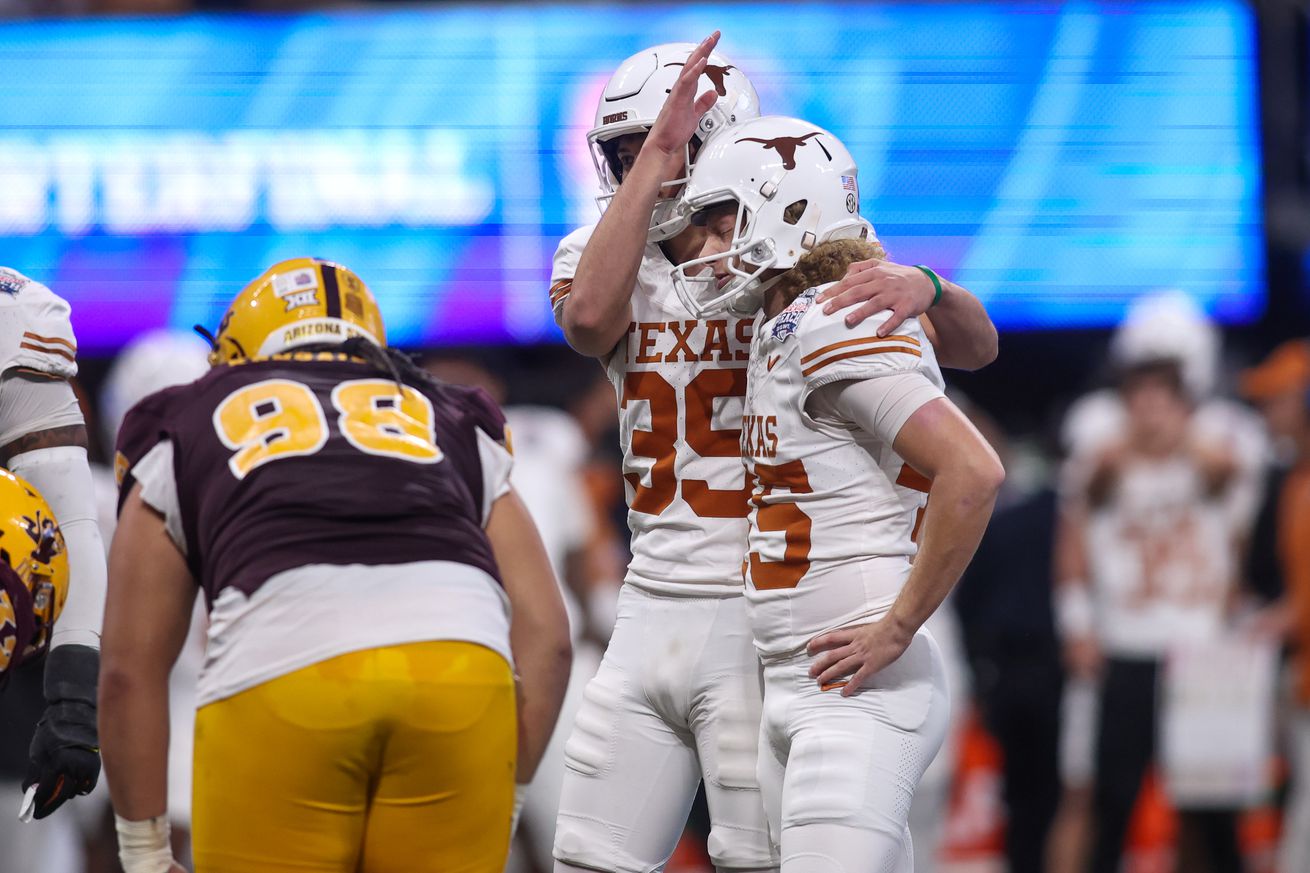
point(35, 332)
point(567, 255)
point(145, 425)
point(830, 351)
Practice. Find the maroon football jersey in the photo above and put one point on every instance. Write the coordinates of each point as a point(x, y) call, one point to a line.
point(317, 458)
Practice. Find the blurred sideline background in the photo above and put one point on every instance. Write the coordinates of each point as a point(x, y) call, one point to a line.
point(1074, 164)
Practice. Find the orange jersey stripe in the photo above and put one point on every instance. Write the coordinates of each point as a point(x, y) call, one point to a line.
point(834, 685)
point(560, 290)
point(913, 479)
point(863, 340)
point(37, 374)
point(51, 340)
point(46, 351)
point(905, 350)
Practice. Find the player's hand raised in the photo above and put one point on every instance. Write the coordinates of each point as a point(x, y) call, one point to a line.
point(849, 657)
point(879, 285)
point(682, 110)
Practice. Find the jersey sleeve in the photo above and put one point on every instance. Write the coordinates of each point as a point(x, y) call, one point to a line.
point(145, 426)
point(879, 406)
point(29, 404)
point(35, 331)
point(494, 447)
point(832, 352)
point(563, 267)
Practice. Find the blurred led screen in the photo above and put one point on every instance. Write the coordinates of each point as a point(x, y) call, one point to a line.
point(1058, 159)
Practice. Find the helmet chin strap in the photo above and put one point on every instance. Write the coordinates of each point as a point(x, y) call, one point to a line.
point(751, 297)
point(209, 337)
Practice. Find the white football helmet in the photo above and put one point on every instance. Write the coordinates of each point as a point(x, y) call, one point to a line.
point(765, 165)
point(151, 362)
point(1169, 325)
point(632, 101)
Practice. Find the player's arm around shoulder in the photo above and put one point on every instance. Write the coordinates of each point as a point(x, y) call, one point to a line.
point(964, 336)
point(833, 351)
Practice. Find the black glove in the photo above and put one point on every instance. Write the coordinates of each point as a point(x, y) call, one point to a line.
point(65, 753)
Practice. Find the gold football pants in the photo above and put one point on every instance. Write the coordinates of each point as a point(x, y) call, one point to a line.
point(379, 761)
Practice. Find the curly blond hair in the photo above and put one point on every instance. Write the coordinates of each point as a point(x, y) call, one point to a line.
point(827, 262)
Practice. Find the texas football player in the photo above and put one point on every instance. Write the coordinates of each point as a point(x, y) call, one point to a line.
point(677, 695)
point(871, 492)
point(43, 439)
point(351, 525)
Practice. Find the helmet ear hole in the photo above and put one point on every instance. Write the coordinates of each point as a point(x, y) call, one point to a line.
point(792, 214)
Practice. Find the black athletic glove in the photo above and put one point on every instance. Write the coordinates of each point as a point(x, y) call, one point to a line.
point(65, 753)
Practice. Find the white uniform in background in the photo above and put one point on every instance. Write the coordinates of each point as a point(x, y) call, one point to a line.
point(38, 355)
point(677, 695)
point(1164, 326)
point(835, 515)
point(1162, 561)
point(549, 449)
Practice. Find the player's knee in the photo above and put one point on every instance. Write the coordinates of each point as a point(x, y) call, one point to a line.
point(830, 848)
point(567, 867)
point(586, 844)
point(817, 862)
point(741, 849)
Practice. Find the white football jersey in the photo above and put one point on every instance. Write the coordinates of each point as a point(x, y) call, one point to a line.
point(1162, 555)
point(35, 331)
point(680, 384)
point(835, 510)
point(1098, 420)
point(1162, 559)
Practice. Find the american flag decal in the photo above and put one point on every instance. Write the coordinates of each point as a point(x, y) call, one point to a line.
point(848, 184)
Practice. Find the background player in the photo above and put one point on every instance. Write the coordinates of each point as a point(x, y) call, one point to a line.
point(677, 693)
point(43, 439)
point(847, 436)
point(358, 633)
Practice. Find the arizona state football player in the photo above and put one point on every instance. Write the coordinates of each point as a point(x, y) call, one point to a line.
point(350, 522)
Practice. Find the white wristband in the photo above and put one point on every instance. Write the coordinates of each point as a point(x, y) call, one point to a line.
point(1075, 615)
point(144, 846)
point(520, 797)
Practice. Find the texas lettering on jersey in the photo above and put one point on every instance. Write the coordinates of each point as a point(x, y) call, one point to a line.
point(834, 510)
point(759, 436)
point(691, 341)
point(680, 384)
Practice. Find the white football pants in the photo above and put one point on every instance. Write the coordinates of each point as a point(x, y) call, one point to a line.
point(677, 698)
point(838, 773)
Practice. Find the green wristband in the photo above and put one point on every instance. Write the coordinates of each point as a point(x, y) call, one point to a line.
point(936, 283)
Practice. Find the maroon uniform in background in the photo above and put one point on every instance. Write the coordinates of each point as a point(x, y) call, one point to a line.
point(311, 494)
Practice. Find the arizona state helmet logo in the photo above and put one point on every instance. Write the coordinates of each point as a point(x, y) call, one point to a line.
point(44, 534)
point(715, 73)
point(786, 147)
